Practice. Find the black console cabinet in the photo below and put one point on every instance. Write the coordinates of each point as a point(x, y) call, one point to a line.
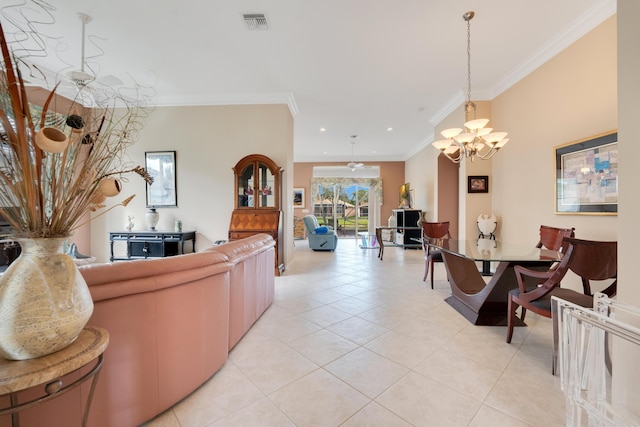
point(152, 244)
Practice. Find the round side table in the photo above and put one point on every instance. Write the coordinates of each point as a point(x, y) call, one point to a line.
point(46, 371)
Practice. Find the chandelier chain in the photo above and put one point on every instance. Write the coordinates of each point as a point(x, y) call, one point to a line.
point(475, 140)
point(469, 60)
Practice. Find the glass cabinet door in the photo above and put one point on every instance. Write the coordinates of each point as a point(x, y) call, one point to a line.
point(266, 179)
point(246, 184)
point(257, 183)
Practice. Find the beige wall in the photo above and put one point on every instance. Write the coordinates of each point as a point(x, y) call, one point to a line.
point(209, 140)
point(572, 96)
point(626, 383)
point(628, 135)
point(392, 174)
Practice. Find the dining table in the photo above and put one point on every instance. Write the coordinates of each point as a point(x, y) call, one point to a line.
point(481, 274)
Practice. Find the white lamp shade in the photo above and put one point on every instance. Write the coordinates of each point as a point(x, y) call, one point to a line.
point(451, 132)
point(442, 144)
point(494, 137)
point(502, 143)
point(484, 131)
point(465, 138)
point(476, 124)
point(451, 149)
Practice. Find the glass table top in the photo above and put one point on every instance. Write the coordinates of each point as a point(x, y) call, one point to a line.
point(495, 250)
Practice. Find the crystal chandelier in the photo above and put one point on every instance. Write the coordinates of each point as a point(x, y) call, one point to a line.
point(477, 140)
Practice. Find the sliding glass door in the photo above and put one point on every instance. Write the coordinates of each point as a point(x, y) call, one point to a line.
point(345, 207)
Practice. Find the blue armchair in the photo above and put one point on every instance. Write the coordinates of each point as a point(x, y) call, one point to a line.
point(320, 238)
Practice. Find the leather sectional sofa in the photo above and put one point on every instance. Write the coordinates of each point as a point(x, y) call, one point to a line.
point(172, 322)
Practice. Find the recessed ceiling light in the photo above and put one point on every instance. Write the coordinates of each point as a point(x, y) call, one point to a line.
point(389, 129)
point(322, 129)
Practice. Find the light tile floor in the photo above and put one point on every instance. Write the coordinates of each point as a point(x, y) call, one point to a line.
point(354, 341)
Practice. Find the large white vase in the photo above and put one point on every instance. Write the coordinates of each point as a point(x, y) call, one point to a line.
point(151, 217)
point(44, 301)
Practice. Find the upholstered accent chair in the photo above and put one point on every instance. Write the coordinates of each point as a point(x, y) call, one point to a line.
point(320, 238)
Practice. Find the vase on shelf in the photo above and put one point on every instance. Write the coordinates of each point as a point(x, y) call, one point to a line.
point(151, 217)
point(44, 300)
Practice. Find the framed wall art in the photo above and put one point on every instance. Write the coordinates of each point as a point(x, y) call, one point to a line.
point(298, 197)
point(478, 184)
point(161, 165)
point(587, 176)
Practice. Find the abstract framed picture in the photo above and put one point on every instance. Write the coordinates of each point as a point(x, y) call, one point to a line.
point(587, 176)
point(478, 184)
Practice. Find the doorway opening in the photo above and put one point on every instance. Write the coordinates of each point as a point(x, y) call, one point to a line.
point(350, 204)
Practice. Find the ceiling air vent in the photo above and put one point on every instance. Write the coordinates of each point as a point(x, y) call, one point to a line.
point(256, 21)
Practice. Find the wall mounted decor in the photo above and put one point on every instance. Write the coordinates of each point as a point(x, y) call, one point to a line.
point(478, 184)
point(298, 197)
point(161, 165)
point(587, 176)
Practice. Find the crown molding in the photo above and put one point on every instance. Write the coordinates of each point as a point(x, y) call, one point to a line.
point(286, 98)
point(571, 33)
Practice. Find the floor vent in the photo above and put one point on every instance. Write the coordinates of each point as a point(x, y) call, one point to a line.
point(256, 21)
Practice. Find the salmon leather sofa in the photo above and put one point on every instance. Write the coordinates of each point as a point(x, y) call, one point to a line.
point(171, 324)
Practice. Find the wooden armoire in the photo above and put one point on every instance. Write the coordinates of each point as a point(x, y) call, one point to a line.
point(257, 198)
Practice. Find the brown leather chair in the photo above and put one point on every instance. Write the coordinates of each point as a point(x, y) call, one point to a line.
point(589, 259)
point(433, 230)
point(551, 237)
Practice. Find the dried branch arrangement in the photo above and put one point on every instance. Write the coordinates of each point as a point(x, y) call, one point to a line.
point(54, 168)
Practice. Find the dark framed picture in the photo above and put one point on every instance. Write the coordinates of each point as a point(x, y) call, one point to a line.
point(478, 184)
point(587, 176)
point(161, 165)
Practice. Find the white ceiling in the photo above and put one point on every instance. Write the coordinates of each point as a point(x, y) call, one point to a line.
point(349, 66)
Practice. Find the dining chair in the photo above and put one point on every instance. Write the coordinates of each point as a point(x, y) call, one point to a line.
point(589, 259)
point(600, 265)
point(433, 230)
point(380, 243)
point(551, 237)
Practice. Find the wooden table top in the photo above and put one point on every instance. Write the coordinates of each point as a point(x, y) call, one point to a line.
point(16, 375)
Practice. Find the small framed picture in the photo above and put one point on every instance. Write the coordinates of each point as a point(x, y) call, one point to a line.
point(298, 197)
point(478, 184)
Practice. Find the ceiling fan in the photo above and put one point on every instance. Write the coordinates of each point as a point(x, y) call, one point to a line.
point(352, 164)
point(82, 77)
point(82, 85)
point(85, 76)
